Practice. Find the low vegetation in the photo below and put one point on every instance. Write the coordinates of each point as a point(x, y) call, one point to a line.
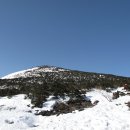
point(71, 83)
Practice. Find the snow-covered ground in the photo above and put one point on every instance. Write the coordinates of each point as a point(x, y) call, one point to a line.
point(108, 114)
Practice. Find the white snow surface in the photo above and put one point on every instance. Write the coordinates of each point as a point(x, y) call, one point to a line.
point(108, 114)
point(32, 72)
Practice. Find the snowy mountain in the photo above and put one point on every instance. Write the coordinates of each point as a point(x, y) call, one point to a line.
point(48, 98)
point(33, 72)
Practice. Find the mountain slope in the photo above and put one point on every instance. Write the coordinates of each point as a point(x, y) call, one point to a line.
point(51, 74)
point(40, 82)
point(49, 97)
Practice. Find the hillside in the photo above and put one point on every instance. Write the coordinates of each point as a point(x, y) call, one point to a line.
point(51, 94)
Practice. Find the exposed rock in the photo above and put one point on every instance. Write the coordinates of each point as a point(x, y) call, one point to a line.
point(9, 122)
point(115, 95)
point(95, 102)
point(128, 104)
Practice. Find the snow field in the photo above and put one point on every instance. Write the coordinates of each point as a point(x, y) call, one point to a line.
point(108, 114)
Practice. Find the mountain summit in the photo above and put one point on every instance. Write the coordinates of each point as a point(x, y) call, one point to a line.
point(33, 72)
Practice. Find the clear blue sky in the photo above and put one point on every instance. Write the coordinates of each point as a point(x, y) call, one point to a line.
point(88, 35)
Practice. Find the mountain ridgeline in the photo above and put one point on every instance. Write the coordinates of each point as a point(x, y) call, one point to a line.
point(40, 82)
